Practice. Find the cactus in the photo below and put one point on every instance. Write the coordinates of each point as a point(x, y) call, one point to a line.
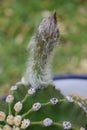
point(34, 103)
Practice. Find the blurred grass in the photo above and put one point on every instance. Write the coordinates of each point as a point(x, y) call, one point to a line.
point(18, 21)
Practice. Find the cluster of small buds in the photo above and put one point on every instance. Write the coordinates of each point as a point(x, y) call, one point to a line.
point(36, 106)
point(10, 119)
point(70, 99)
point(25, 123)
point(82, 128)
point(54, 101)
point(13, 88)
point(7, 127)
point(47, 122)
point(31, 91)
point(17, 120)
point(2, 116)
point(18, 106)
point(66, 125)
point(9, 99)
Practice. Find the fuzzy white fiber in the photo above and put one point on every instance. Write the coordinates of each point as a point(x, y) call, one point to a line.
point(42, 46)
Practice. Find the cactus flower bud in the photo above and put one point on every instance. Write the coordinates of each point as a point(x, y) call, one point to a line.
point(25, 123)
point(54, 101)
point(31, 91)
point(48, 29)
point(10, 119)
point(9, 99)
point(17, 120)
point(42, 45)
point(18, 106)
point(47, 122)
point(13, 88)
point(70, 99)
point(7, 127)
point(2, 116)
point(66, 125)
point(36, 106)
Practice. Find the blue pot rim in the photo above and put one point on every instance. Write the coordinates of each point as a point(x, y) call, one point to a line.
point(70, 76)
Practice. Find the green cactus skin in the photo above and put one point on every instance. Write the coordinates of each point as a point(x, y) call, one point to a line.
point(63, 110)
point(34, 108)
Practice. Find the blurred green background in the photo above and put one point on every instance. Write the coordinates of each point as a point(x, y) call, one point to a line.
point(18, 21)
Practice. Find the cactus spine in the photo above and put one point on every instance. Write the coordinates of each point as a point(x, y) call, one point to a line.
point(34, 108)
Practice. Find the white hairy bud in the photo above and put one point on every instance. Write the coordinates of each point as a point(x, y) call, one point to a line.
point(18, 106)
point(2, 116)
point(36, 106)
point(54, 101)
point(66, 125)
point(10, 119)
point(13, 88)
point(31, 91)
point(9, 99)
point(25, 123)
point(17, 120)
point(47, 122)
point(42, 45)
point(7, 127)
point(70, 99)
